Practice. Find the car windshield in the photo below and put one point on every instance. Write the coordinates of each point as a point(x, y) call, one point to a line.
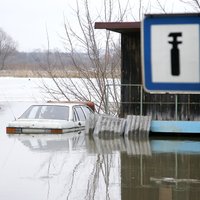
point(46, 112)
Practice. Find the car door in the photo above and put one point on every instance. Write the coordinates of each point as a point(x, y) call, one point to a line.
point(79, 117)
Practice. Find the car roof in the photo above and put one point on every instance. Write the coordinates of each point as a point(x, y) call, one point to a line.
point(89, 104)
point(60, 103)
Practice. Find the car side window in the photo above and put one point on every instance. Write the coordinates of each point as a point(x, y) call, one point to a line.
point(78, 114)
point(87, 111)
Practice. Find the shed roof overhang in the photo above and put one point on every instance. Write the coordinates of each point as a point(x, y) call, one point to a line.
point(120, 27)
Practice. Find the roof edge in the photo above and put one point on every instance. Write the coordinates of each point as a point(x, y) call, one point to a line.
point(119, 26)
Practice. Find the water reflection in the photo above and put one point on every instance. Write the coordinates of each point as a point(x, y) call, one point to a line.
point(174, 145)
point(132, 145)
point(153, 168)
point(53, 143)
point(114, 167)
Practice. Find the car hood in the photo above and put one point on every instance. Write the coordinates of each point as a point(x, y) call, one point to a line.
point(41, 123)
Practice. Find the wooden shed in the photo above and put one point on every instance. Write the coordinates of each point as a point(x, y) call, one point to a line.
point(134, 100)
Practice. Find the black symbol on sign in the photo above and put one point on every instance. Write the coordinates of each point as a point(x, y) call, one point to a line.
point(175, 60)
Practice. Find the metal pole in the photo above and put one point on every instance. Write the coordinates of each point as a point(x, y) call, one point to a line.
point(176, 107)
point(106, 98)
point(141, 102)
point(141, 170)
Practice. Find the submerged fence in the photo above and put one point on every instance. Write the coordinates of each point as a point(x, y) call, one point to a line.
point(107, 125)
point(134, 100)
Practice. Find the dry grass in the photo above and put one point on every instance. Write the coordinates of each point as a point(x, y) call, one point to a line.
point(37, 74)
point(30, 73)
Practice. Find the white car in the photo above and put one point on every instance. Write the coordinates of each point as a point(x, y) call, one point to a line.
point(52, 118)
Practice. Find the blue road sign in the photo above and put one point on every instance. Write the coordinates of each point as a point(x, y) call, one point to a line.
point(171, 53)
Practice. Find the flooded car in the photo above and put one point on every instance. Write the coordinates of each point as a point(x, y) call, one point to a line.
point(53, 118)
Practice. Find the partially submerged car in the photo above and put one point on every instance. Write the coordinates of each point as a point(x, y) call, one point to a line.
point(52, 117)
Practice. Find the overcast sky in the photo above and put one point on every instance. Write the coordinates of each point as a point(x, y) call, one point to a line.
point(26, 20)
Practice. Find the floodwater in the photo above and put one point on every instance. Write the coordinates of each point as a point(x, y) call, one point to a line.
point(77, 166)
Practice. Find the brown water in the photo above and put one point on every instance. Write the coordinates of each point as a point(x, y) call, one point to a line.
point(78, 167)
point(75, 166)
point(155, 168)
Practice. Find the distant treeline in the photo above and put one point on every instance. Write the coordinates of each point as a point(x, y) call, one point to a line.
point(43, 60)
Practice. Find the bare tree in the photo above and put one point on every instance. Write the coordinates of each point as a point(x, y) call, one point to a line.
point(99, 72)
point(7, 47)
point(194, 4)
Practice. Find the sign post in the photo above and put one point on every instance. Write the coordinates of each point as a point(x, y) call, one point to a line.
point(171, 53)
